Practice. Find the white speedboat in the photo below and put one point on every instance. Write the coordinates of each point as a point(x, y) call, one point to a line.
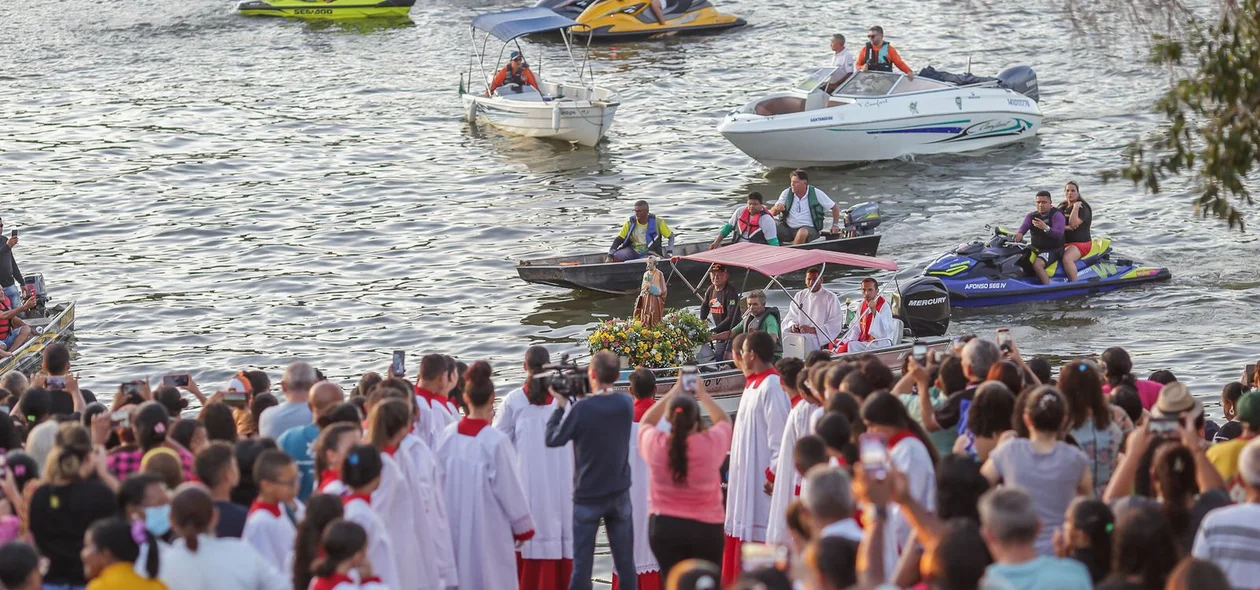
point(882, 116)
point(575, 112)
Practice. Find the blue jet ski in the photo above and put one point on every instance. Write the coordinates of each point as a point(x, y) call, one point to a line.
point(999, 272)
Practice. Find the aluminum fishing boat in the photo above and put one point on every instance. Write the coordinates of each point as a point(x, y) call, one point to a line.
point(883, 116)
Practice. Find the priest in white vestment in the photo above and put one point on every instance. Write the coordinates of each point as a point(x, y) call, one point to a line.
point(815, 313)
point(873, 327)
point(763, 412)
point(787, 481)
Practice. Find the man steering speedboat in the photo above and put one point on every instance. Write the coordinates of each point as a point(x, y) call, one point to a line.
point(803, 206)
point(878, 56)
point(641, 235)
point(515, 73)
point(873, 327)
point(1046, 226)
point(751, 223)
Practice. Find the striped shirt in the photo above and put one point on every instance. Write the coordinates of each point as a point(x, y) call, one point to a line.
point(1230, 538)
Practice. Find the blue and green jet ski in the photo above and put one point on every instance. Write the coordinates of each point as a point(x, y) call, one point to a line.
point(999, 272)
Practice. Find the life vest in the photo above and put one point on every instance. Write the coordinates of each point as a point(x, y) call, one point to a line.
point(1041, 239)
point(6, 325)
point(750, 226)
point(516, 78)
point(866, 318)
point(754, 323)
point(653, 233)
point(1081, 233)
point(878, 61)
point(815, 209)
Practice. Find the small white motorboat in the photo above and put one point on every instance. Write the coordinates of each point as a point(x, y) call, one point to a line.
point(882, 116)
point(575, 112)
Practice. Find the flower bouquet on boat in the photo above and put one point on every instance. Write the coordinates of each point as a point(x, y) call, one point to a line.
point(916, 313)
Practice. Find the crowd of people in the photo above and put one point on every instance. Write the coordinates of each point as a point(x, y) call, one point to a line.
point(974, 468)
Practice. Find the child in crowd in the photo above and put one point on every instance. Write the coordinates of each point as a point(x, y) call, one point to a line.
point(321, 510)
point(331, 449)
point(361, 472)
point(271, 527)
point(110, 550)
point(344, 549)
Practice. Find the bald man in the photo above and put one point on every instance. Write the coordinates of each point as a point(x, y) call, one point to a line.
point(299, 442)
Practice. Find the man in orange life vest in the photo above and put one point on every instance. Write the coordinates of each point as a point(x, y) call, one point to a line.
point(752, 224)
point(878, 56)
point(873, 327)
point(515, 73)
point(13, 332)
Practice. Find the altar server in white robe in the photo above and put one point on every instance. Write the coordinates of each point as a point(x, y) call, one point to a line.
point(763, 411)
point(423, 471)
point(815, 313)
point(643, 388)
point(488, 510)
point(270, 527)
point(873, 327)
point(361, 473)
point(396, 500)
point(435, 415)
point(799, 423)
point(545, 562)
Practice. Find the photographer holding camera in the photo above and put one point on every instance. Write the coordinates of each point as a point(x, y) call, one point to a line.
point(598, 425)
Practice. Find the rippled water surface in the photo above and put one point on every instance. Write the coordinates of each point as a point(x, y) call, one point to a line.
point(220, 192)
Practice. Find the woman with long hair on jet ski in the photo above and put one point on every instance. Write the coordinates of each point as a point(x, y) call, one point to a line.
point(1077, 241)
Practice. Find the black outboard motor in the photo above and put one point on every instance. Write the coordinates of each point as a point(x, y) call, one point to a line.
point(861, 219)
point(34, 286)
point(924, 307)
point(1021, 79)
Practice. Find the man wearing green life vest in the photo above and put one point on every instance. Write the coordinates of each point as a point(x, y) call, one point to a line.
point(804, 208)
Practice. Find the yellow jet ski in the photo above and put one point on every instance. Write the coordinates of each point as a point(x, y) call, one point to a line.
point(327, 9)
point(625, 19)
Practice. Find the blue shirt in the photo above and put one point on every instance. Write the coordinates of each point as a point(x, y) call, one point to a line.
point(299, 443)
point(1043, 573)
point(599, 427)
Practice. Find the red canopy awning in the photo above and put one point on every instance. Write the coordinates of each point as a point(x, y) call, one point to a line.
point(776, 261)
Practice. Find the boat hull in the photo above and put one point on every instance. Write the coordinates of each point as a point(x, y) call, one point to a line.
point(985, 292)
point(589, 272)
point(726, 383)
point(327, 10)
point(620, 20)
point(57, 325)
point(581, 123)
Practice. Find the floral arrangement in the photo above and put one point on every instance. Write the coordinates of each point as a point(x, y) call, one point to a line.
point(670, 343)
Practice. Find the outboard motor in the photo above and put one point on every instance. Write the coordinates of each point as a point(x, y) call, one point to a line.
point(35, 287)
point(924, 307)
point(1021, 79)
point(862, 219)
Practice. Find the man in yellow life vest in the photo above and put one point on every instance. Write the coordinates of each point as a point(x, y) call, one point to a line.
point(873, 327)
point(750, 223)
point(640, 236)
point(803, 207)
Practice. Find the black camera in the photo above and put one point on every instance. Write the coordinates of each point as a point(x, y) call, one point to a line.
point(565, 377)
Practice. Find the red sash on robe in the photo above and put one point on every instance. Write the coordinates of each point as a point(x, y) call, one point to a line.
point(648, 581)
point(865, 320)
point(543, 574)
point(641, 406)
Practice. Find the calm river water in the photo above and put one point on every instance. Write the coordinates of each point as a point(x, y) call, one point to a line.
point(220, 192)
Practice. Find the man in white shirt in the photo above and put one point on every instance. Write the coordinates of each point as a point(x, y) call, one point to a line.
point(843, 62)
point(816, 313)
point(1230, 537)
point(804, 207)
point(873, 327)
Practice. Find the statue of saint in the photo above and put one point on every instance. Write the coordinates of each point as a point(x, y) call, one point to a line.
point(650, 305)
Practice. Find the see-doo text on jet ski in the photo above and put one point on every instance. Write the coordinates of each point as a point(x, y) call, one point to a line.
point(885, 115)
point(629, 19)
point(327, 9)
point(999, 272)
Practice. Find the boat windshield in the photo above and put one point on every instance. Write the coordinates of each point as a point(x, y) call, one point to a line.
point(814, 80)
point(869, 84)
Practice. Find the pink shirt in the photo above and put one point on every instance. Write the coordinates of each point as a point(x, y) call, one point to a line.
point(1147, 390)
point(700, 498)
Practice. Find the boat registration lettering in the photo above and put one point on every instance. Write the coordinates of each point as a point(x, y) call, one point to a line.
point(1018, 102)
point(312, 11)
point(984, 286)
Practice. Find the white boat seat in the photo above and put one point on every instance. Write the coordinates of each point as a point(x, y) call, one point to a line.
point(794, 346)
point(817, 100)
point(525, 93)
point(899, 331)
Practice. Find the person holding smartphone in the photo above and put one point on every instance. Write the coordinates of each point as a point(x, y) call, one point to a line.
point(10, 277)
point(1045, 227)
point(684, 483)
